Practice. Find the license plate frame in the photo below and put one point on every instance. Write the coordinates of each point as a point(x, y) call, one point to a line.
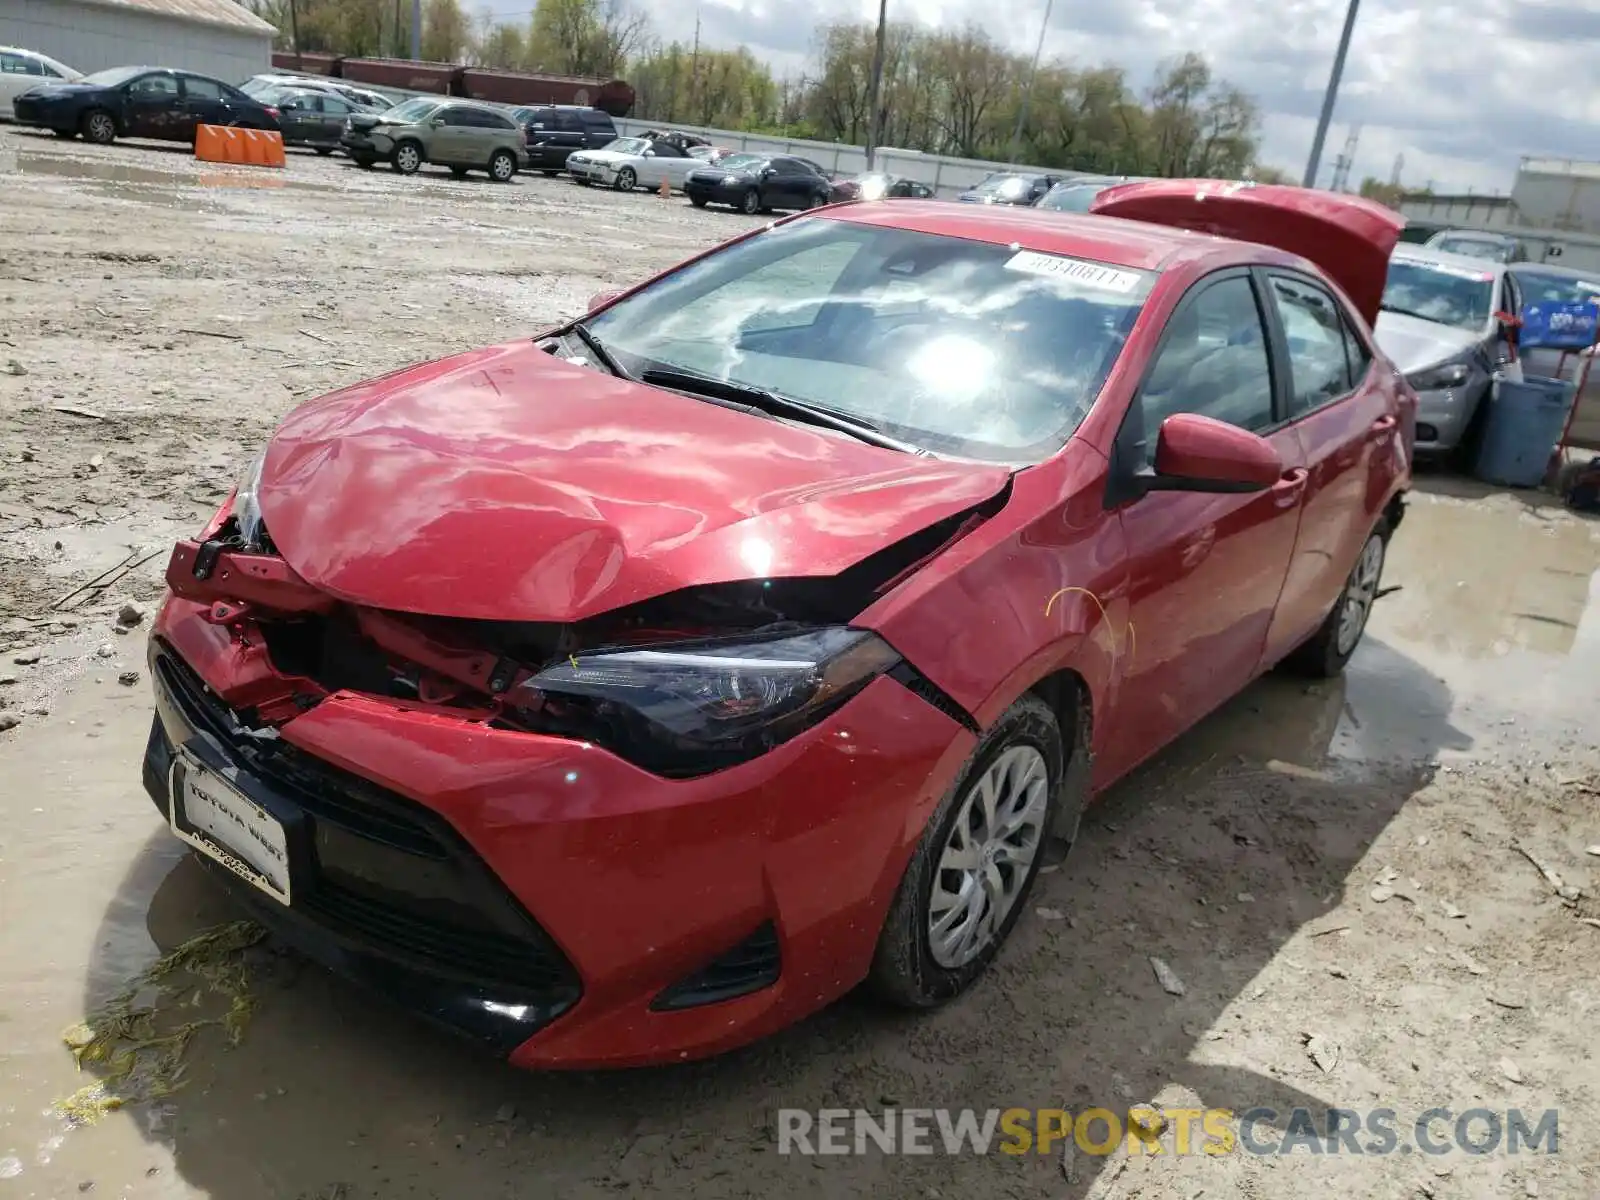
point(222, 803)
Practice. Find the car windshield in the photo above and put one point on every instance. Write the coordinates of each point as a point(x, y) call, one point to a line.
point(734, 162)
point(408, 111)
point(1494, 251)
point(113, 76)
point(1004, 185)
point(1072, 197)
point(1540, 288)
point(961, 347)
point(1438, 292)
point(627, 145)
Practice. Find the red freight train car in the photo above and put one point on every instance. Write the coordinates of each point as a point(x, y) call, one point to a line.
point(516, 87)
point(402, 73)
point(306, 63)
point(476, 83)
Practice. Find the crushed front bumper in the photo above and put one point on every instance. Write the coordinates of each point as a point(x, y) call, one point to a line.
point(546, 897)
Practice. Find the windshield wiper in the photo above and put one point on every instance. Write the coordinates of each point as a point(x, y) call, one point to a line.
point(1408, 312)
point(598, 350)
point(777, 405)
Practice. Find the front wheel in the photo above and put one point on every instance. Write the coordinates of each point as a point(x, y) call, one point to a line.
point(324, 151)
point(99, 128)
point(1330, 648)
point(364, 161)
point(502, 166)
point(698, 201)
point(970, 875)
point(407, 158)
point(750, 202)
point(626, 180)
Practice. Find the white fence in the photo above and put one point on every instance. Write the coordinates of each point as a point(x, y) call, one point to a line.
point(945, 174)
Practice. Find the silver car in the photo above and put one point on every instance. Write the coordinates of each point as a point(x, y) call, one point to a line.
point(1441, 324)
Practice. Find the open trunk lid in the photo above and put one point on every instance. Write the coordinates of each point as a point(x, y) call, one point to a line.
point(1349, 237)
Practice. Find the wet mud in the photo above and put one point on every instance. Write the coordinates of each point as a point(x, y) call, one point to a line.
point(1340, 861)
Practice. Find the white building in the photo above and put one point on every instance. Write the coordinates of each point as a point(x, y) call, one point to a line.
point(210, 37)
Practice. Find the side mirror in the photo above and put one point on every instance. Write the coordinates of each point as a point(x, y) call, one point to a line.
point(649, 154)
point(1201, 454)
point(436, 123)
point(600, 299)
point(768, 172)
point(289, 106)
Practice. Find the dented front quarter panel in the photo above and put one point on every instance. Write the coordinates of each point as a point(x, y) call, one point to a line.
point(1040, 587)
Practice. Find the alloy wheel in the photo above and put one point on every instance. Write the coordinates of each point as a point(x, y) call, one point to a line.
point(407, 159)
point(502, 166)
point(1359, 594)
point(986, 861)
point(101, 128)
point(626, 180)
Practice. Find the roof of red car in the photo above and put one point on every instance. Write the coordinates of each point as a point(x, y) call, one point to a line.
point(1135, 244)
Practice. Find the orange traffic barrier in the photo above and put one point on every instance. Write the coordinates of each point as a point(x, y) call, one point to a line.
point(247, 147)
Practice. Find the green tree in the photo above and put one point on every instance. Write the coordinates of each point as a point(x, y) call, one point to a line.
point(444, 31)
point(585, 37)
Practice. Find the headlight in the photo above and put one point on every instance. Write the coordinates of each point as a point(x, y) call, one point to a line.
point(247, 501)
point(1448, 375)
point(689, 708)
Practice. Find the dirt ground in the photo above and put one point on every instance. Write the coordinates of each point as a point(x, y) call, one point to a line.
point(1343, 860)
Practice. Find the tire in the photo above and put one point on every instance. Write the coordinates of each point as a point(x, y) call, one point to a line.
point(626, 180)
point(548, 173)
point(908, 969)
point(1330, 648)
point(324, 151)
point(502, 166)
point(364, 161)
point(698, 201)
point(750, 203)
point(458, 172)
point(65, 135)
point(407, 158)
point(98, 126)
point(816, 201)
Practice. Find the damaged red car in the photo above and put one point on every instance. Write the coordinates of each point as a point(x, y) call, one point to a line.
point(624, 694)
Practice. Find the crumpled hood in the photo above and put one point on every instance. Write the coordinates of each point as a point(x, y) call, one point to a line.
point(1414, 343)
point(508, 484)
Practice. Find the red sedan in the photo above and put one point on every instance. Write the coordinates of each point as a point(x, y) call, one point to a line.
point(624, 694)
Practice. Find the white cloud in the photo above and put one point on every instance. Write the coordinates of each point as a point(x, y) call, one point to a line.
point(1462, 90)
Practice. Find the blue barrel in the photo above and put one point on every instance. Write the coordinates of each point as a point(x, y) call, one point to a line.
point(1524, 425)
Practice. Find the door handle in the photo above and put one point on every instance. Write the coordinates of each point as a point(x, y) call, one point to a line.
point(1287, 490)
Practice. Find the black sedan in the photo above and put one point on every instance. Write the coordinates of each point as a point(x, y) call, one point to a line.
point(1010, 187)
point(311, 118)
point(755, 183)
point(144, 102)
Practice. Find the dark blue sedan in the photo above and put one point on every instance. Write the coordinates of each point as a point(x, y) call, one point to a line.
point(142, 102)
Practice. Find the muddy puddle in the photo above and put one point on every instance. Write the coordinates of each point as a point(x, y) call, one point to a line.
point(137, 179)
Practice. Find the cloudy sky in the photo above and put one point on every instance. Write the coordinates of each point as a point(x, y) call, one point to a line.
point(1462, 90)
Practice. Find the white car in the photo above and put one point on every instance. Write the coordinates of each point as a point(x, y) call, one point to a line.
point(22, 69)
point(627, 163)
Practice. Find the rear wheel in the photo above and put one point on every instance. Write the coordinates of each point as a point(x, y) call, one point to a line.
point(750, 202)
point(970, 875)
point(458, 172)
point(1330, 648)
point(698, 201)
point(407, 158)
point(364, 161)
point(502, 166)
point(323, 150)
point(626, 180)
point(98, 127)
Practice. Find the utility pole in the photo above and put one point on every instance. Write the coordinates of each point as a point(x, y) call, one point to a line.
point(416, 30)
point(875, 114)
point(694, 68)
point(1027, 95)
point(1330, 96)
point(294, 32)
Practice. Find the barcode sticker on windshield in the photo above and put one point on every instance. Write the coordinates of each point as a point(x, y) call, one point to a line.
point(1089, 274)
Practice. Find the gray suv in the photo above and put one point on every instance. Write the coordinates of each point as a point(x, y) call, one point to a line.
point(452, 133)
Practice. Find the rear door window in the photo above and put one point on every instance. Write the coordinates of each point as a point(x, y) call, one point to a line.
point(155, 87)
point(201, 89)
point(1314, 327)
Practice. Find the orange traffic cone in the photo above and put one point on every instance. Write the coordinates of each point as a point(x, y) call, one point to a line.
point(666, 190)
